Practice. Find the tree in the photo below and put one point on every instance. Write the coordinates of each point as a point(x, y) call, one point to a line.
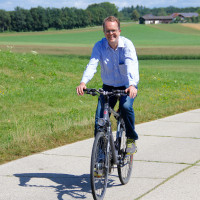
point(161, 12)
point(198, 11)
point(110, 8)
point(98, 12)
point(4, 21)
point(40, 21)
point(18, 20)
point(82, 18)
point(69, 18)
point(135, 15)
point(55, 18)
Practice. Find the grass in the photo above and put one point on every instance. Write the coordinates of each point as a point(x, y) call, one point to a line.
point(171, 86)
point(144, 36)
point(170, 39)
point(179, 28)
point(141, 35)
point(39, 106)
point(38, 102)
point(40, 109)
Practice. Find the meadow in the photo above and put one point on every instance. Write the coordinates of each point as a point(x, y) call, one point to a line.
point(170, 39)
point(39, 106)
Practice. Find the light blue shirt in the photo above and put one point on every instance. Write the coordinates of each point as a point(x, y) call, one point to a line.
point(119, 67)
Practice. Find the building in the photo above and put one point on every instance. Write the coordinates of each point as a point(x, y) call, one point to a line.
point(151, 19)
point(185, 15)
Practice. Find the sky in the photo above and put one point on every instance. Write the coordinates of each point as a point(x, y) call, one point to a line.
point(9, 5)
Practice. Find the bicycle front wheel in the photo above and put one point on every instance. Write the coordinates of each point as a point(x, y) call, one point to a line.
point(126, 161)
point(99, 166)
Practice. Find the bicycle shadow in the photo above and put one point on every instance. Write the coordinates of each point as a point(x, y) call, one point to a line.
point(75, 186)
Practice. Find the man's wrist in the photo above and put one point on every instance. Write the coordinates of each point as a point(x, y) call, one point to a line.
point(133, 85)
point(82, 83)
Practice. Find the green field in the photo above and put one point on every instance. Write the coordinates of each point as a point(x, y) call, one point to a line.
point(39, 106)
point(152, 39)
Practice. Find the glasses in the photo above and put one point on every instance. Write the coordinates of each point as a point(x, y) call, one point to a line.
point(111, 31)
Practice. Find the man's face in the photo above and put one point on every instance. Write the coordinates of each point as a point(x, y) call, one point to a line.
point(112, 33)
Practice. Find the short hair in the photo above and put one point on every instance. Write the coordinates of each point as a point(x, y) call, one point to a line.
point(111, 19)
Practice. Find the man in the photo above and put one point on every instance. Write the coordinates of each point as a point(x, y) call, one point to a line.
point(119, 70)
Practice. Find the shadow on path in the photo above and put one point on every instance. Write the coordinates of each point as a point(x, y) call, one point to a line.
point(78, 187)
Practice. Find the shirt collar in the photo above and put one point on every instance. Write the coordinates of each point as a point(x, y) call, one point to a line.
point(120, 43)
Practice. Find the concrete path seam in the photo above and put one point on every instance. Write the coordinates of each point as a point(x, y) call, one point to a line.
point(48, 154)
point(169, 178)
point(156, 161)
point(169, 136)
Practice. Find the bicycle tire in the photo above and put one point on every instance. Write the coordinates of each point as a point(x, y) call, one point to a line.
point(99, 167)
point(125, 167)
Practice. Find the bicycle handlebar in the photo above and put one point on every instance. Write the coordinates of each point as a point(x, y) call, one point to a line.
point(94, 92)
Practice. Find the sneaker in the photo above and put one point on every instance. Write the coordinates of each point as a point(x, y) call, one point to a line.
point(98, 174)
point(98, 170)
point(131, 147)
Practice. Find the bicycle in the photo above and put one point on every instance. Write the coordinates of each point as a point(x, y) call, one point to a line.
point(107, 151)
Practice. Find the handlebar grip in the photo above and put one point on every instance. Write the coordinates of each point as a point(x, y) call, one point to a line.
point(121, 92)
point(90, 91)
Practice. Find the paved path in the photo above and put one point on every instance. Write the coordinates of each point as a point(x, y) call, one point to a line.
point(166, 167)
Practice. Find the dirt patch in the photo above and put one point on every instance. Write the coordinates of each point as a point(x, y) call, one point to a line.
point(52, 50)
point(177, 50)
point(56, 50)
point(194, 26)
point(64, 31)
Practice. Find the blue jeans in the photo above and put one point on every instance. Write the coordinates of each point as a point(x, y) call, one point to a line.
point(126, 107)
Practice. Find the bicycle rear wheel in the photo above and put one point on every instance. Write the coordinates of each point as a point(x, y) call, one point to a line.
point(99, 167)
point(126, 161)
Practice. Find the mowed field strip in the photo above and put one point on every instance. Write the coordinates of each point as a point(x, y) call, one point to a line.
point(165, 39)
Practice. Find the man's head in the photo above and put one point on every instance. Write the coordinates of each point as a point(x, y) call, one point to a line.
point(111, 28)
point(111, 19)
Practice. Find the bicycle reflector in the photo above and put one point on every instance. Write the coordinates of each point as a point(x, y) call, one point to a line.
point(101, 122)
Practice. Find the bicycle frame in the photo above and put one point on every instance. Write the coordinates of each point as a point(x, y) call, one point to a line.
point(105, 123)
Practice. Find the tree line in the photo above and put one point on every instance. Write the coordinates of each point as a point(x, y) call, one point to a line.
point(40, 19)
point(134, 13)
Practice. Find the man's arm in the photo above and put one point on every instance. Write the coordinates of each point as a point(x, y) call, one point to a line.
point(131, 62)
point(90, 70)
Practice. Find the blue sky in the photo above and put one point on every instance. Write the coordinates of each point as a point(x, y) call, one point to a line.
point(27, 4)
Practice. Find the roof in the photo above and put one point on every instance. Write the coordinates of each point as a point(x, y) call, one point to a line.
point(185, 14)
point(189, 14)
point(151, 17)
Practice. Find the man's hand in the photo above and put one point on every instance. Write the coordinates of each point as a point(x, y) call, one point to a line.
point(80, 88)
point(132, 91)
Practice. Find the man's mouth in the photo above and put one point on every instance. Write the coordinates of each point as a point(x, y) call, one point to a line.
point(111, 37)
